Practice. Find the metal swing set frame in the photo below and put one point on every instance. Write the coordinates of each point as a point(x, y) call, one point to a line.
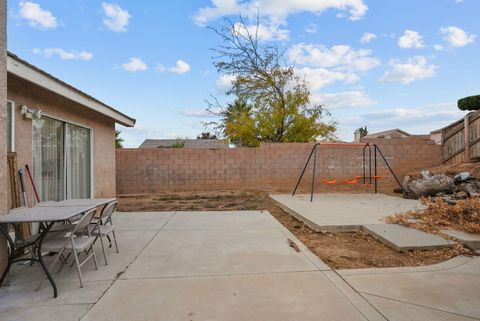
point(370, 180)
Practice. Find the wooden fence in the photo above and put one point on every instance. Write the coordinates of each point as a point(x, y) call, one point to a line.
point(461, 140)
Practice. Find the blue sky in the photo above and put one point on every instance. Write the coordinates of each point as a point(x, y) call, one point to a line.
point(384, 64)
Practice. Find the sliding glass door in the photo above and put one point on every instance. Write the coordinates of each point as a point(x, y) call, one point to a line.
point(61, 159)
point(48, 160)
point(77, 154)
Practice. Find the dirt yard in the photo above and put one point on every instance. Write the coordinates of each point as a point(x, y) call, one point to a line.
point(339, 250)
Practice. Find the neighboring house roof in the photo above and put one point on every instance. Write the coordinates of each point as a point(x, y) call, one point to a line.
point(188, 143)
point(29, 72)
point(392, 132)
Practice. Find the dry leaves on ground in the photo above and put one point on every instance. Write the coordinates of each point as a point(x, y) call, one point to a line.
point(463, 216)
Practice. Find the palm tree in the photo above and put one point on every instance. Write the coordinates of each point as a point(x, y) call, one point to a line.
point(118, 140)
point(238, 124)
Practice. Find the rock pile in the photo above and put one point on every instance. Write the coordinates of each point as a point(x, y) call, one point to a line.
point(449, 187)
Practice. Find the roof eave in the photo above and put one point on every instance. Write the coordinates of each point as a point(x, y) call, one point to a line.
point(25, 70)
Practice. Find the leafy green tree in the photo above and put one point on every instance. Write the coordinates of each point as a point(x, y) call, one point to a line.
point(275, 102)
point(118, 140)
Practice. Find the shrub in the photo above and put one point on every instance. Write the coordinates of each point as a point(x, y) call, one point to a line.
point(469, 103)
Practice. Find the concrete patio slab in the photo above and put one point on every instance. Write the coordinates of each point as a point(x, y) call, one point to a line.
point(344, 212)
point(44, 313)
point(399, 311)
point(470, 240)
point(199, 252)
point(453, 290)
point(141, 220)
point(402, 238)
point(280, 297)
point(260, 277)
point(223, 220)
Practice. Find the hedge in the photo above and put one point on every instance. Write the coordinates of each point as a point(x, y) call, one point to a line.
point(469, 103)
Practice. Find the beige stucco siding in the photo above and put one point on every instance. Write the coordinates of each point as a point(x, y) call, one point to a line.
point(22, 92)
point(3, 124)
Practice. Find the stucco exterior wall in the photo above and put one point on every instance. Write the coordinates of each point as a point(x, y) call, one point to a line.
point(22, 92)
point(3, 123)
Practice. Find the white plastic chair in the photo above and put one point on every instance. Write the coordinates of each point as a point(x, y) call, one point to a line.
point(78, 240)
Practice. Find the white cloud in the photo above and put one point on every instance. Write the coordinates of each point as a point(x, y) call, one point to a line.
point(346, 99)
point(429, 115)
point(457, 37)
point(277, 11)
point(64, 54)
point(413, 69)
point(116, 18)
point(197, 113)
point(438, 47)
point(411, 39)
point(265, 32)
point(321, 77)
point(181, 67)
point(341, 57)
point(368, 37)
point(311, 28)
point(418, 120)
point(36, 16)
point(225, 82)
point(459, 1)
point(135, 64)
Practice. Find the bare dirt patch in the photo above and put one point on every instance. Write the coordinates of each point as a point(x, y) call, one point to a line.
point(338, 250)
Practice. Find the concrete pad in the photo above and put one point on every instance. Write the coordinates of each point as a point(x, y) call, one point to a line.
point(399, 311)
point(362, 305)
point(344, 212)
point(453, 290)
point(223, 220)
point(402, 238)
point(217, 252)
point(44, 313)
point(279, 297)
point(69, 293)
point(470, 240)
point(141, 220)
point(131, 243)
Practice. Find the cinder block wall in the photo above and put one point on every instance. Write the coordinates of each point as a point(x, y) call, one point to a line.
point(271, 167)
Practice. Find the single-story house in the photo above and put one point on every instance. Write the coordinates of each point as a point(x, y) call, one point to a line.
point(66, 136)
point(394, 134)
point(387, 134)
point(185, 143)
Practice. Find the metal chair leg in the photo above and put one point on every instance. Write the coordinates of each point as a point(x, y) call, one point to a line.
point(103, 249)
point(115, 239)
point(94, 257)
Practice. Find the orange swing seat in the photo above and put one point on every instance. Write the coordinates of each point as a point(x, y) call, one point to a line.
point(330, 182)
point(351, 182)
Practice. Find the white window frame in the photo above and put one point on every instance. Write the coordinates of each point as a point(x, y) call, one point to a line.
point(92, 183)
point(12, 121)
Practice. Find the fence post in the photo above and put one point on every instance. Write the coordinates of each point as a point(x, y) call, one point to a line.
point(466, 127)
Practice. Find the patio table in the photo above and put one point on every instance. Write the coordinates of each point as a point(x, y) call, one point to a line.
point(45, 214)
